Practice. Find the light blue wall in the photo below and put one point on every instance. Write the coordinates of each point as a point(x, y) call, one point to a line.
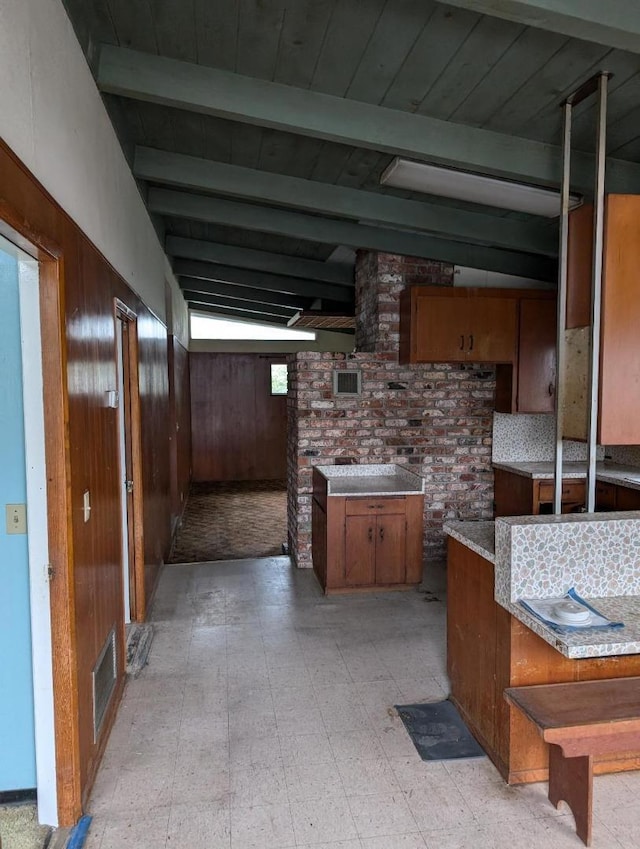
point(17, 748)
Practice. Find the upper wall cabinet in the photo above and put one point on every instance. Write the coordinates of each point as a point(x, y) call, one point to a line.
point(619, 403)
point(529, 385)
point(458, 325)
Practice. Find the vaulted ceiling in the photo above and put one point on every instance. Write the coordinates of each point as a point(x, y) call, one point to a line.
point(259, 129)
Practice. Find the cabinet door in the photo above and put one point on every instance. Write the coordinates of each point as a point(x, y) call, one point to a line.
point(605, 496)
point(492, 330)
point(391, 542)
point(442, 329)
point(360, 550)
point(463, 329)
point(627, 498)
point(537, 356)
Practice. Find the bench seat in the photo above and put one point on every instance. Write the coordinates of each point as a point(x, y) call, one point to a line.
point(579, 720)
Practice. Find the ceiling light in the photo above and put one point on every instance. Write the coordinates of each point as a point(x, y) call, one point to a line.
point(474, 188)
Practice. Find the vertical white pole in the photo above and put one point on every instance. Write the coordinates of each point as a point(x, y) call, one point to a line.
point(596, 290)
point(562, 304)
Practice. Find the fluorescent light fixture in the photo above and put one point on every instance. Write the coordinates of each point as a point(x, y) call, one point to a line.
point(212, 327)
point(474, 188)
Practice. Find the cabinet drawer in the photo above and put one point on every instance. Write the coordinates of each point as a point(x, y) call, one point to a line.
point(572, 491)
point(374, 506)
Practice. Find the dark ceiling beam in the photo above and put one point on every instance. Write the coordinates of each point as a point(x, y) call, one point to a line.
point(210, 91)
point(333, 232)
point(244, 293)
point(191, 172)
point(260, 280)
point(240, 306)
point(290, 266)
point(614, 24)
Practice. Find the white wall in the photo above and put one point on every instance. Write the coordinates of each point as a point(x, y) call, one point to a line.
point(52, 117)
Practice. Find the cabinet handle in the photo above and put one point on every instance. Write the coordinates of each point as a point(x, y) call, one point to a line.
point(370, 534)
point(381, 533)
point(471, 342)
point(462, 343)
point(551, 389)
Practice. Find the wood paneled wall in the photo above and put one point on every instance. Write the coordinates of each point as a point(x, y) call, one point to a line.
point(238, 429)
point(78, 290)
point(180, 426)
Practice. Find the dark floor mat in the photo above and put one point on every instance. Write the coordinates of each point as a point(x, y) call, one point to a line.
point(438, 732)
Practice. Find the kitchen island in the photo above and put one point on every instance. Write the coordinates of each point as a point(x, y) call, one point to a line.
point(367, 527)
point(493, 643)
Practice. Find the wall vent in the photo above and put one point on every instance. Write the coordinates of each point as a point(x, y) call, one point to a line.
point(347, 382)
point(104, 682)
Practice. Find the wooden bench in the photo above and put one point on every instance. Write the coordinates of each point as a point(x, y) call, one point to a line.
point(580, 720)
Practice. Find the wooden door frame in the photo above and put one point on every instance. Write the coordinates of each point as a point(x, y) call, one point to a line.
point(132, 424)
point(58, 474)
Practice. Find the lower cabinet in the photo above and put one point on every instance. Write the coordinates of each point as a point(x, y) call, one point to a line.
point(610, 496)
point(364, 542)
point(517, 495)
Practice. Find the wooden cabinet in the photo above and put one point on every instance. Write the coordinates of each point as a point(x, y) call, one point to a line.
point(528, 385)
point(605, 496)
point(457, 325)
point(514, 328)
point(363, 542)
point(375, 542)
point(611, 496)
point(619, 403)
point(517, 495)
point(489, 650)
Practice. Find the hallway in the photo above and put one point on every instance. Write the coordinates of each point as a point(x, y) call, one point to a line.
point(264, 720)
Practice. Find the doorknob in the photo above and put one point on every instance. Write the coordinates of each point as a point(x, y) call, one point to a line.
point(381, 533)
point(370, 534)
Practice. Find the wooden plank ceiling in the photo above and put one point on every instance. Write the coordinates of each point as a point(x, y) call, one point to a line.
point(471, 71)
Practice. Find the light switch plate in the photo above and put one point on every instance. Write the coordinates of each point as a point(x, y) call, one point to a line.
point(16, 518)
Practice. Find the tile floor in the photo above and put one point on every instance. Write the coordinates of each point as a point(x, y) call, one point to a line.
point(264, 720)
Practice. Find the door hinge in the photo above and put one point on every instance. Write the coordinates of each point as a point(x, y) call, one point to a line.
point(50, 571)
point(128, 486)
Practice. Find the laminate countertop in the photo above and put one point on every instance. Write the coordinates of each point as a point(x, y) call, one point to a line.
point(372, 479)
point(614, 473)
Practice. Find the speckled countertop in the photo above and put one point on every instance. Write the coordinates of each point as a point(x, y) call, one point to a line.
point(480, 537)
point(371, 479)
point(606, 472)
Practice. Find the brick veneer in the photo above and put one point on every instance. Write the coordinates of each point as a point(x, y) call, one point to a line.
point(436, 418)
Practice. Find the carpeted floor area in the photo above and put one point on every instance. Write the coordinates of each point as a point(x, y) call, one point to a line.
point(19, 827)
point(232, 520)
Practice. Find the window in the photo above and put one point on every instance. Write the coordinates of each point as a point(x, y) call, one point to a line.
point(278, 378)
point(212, 327)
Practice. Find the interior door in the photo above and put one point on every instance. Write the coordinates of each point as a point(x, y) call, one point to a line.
point(126, 469)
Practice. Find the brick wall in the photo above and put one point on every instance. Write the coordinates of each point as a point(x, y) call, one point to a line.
point(436, 418)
